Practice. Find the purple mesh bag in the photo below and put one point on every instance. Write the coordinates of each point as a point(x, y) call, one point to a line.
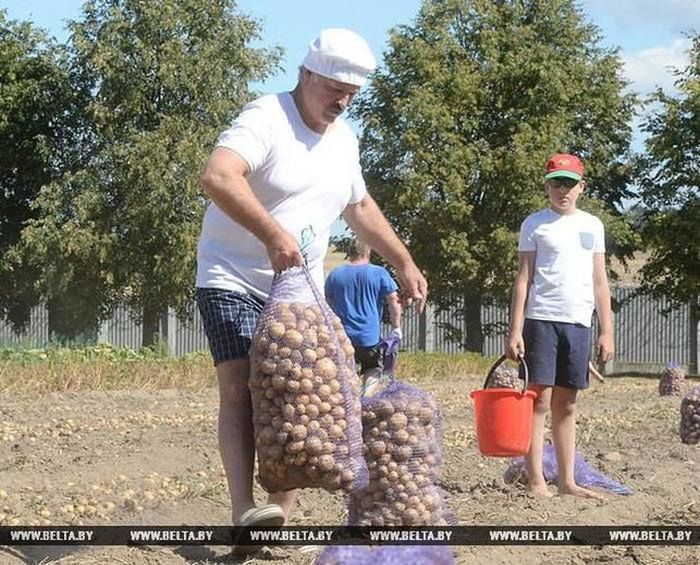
point(389, 348)
point(305, 392)
point(584, 474)
point(388, 555)
point(402, 444)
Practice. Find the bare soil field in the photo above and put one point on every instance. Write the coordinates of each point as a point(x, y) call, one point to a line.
point(150, 457)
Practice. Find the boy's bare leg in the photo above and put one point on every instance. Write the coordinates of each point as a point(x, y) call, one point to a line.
point(536, 483)
point(236, 443)
point(564, 435)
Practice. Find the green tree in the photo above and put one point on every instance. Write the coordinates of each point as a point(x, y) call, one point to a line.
point(471, 99)
point(669, 177)
point(39, 142)
point(165, 77)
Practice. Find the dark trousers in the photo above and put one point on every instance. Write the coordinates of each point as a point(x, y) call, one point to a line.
point(368, 358)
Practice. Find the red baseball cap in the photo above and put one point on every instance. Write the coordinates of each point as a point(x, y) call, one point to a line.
point(564, 165)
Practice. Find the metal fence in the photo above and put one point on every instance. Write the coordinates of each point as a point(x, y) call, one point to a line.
point(647, 335)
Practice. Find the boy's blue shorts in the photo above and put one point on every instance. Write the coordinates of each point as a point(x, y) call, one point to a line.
point(557, 353)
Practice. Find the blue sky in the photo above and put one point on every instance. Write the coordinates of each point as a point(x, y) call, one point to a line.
point(649, 32)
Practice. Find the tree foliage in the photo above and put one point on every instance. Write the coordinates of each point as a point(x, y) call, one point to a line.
point(38, 142)
point(669, 177)
point(164, 76)
point(459, 121)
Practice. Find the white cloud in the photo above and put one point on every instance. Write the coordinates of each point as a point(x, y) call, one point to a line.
point(654, 67)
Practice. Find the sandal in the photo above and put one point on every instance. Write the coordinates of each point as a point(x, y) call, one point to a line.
point(269, 515)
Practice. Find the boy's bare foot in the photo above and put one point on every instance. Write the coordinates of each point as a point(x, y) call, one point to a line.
point(575, 490)
point(539, 490)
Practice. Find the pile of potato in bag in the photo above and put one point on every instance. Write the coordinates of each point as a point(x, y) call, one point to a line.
point(401, 428)
point(305, 392)
point(690, 417)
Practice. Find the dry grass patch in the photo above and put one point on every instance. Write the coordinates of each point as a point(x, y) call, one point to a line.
point(102, 367)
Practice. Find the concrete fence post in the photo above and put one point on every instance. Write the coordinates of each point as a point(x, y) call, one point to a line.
point(693, 330)
point(168, 329)
point(426, 329)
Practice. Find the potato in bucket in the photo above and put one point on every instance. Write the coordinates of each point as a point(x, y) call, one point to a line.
point(503, 416)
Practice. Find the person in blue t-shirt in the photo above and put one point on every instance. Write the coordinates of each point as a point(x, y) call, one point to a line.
point(356, 292)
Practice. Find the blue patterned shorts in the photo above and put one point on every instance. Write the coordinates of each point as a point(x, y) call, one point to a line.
point(229, 319)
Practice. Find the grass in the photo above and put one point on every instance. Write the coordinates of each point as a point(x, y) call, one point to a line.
point(422, 367)
point(41, 371)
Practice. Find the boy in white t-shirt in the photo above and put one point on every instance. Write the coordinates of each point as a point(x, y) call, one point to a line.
point(561, 279)
point(284, 171)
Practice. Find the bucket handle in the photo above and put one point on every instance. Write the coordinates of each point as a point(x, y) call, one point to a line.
point(521, 360)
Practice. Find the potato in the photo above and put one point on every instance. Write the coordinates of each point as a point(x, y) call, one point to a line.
point(292, 339)
point(278, 383)
point(326, 462)
point(277, 329)
point(377, 448)
point(347, 475)
point(325, 368)
point(309, 356)
point(295, 447)
point(313, 446)
point(299, 431)
point(398, 421)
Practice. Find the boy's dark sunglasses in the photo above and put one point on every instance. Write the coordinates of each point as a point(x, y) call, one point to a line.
point(566, 182)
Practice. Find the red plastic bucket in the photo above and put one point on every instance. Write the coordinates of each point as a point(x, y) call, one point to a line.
point(503, 417)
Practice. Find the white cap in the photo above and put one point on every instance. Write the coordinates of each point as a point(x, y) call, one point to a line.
point(342, 55)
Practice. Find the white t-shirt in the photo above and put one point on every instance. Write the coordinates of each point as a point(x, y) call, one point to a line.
point(303, 178)
point(562, 285)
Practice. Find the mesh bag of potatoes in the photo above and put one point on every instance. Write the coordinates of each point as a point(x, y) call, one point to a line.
point(672, 380)
point(690, 417)
point(304, 392)
point(401, 428)
point(391, 555)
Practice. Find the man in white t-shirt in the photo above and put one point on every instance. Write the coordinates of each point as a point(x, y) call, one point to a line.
point(284, 171)
point(561, 279)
